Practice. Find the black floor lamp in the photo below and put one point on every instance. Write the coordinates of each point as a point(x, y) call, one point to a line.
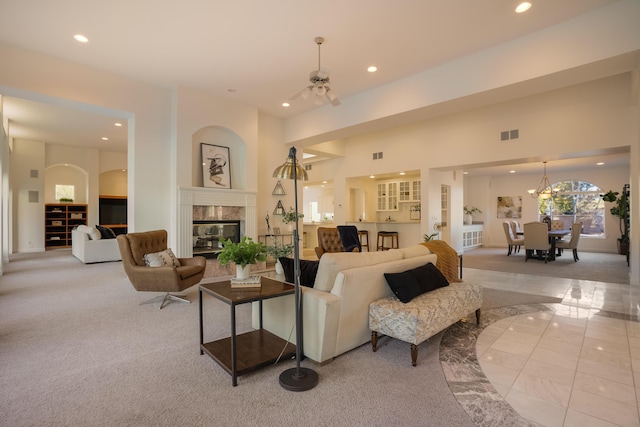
point(296, 379)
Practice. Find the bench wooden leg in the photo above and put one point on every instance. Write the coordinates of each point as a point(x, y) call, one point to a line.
point(374, 340)
point(414, 354)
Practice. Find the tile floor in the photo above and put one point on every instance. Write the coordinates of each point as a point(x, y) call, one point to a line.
point(575, 364)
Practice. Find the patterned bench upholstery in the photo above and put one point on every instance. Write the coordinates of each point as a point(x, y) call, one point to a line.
point(423, 316)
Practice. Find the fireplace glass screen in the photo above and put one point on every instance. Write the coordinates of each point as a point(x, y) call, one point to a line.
point(209, 235)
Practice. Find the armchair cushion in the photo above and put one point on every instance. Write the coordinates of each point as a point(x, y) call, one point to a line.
point(164, 258)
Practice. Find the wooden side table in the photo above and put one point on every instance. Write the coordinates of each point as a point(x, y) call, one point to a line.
point(240, 354)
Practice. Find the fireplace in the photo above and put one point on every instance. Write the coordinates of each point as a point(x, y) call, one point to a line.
point(208, 235)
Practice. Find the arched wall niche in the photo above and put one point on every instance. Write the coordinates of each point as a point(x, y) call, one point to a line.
point(66, 174)
point(219, 135)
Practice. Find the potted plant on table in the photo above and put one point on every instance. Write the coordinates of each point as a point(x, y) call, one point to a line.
point(468, 212)
point(243, 254)
point(621, 210)
point(290, 217)
point(278, 250)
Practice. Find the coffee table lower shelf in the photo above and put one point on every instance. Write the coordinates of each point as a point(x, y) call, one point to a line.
point(254, 349)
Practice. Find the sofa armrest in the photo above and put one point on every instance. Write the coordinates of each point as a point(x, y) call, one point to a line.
point(320, 321)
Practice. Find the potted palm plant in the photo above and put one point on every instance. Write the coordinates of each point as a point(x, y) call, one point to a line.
point(243, 254)
point(621, 210)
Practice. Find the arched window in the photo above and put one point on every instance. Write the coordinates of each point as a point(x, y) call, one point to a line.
point(575, 201)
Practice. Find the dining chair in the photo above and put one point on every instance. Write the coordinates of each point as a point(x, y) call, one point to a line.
point(536, 238)
point(576, 229)
point(513, 242)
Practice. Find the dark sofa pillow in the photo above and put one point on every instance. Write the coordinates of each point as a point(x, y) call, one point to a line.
point(308, 271)
point(409, 284)
point(106, 232)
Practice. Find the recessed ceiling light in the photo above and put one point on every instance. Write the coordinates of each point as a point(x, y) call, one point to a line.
point(104, 138)
point(372, 176)
point(117, 124)
point(403, 173)
point(523, 7)
point(465, 173)
point(80, 38)
point(286, 104)
point(599, 163)
point(512, 171)
point(324, 182)
point(372, 69)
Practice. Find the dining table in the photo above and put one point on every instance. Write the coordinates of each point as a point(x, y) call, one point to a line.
point(554, 235)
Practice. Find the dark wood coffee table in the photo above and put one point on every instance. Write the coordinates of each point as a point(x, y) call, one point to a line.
point(240, 354)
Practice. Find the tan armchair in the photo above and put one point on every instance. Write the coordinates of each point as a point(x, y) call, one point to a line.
point(329, 241)
point(134, 246)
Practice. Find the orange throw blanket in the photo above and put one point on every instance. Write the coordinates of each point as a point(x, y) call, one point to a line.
point(447, 259)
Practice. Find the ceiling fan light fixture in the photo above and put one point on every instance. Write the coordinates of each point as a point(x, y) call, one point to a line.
point(320, 90)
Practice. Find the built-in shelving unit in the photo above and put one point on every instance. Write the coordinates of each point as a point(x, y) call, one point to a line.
point(59, 220)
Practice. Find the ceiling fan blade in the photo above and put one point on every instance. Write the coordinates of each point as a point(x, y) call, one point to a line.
point(333, 98)
point(304, 93)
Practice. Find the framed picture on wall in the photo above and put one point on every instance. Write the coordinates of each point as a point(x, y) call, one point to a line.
point(216, 166)
point(509, 207)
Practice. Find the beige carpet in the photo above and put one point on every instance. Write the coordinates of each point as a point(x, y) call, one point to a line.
point(601, 267)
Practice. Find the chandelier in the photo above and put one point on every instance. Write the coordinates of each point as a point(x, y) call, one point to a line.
point(544, 189)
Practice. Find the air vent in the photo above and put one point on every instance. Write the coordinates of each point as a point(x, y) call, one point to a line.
point(307, 167)
point(34, 173)
point(506, 135)
point(377, 156)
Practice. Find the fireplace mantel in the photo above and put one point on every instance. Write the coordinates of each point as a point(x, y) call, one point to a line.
point(188, 197)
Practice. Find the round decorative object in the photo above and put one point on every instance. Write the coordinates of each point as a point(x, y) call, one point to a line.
point(243, 273)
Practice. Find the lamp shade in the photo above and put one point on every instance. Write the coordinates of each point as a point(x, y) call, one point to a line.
point(286, 170)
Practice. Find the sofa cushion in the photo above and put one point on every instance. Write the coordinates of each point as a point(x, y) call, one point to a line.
point(333, 263)
point(414, 251)
point(409, 284)
point(106, 232)
point(164, 258)
point(92, 232)
point(308, 270)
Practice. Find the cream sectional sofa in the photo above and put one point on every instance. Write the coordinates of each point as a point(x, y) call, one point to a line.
point(89, 247)
point(336, 309)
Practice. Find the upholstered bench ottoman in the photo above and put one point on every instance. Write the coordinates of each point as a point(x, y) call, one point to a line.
point(423, 316)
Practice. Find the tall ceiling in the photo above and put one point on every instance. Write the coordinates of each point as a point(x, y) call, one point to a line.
point(253, 51)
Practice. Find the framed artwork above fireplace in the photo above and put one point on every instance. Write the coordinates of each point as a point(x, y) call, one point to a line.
point(216, 166)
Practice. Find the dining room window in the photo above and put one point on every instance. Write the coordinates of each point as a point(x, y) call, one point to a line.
point(575, 201)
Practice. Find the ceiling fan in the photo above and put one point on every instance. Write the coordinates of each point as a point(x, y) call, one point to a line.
point(319, 84)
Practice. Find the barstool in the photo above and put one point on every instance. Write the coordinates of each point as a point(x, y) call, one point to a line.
point(384, 234)
point(363, 236)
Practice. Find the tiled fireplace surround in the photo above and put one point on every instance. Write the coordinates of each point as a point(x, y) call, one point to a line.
point(196, 203)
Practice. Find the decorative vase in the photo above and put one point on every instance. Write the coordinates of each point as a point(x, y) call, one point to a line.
point(279, 269)
point(290, 227)
point(468, 219)
point(243, 273)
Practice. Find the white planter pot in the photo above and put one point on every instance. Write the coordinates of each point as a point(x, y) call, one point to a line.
point(279, 269)
point(243, 273)
point(468, 219)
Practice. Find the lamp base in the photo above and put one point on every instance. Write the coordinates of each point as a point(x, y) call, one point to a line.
point(298, 379)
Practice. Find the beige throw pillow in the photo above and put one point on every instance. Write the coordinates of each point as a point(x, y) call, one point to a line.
point(164, 258)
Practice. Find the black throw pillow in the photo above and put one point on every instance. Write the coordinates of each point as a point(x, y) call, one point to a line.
point(106, 232)
point(308, 271)
point(409, 284)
